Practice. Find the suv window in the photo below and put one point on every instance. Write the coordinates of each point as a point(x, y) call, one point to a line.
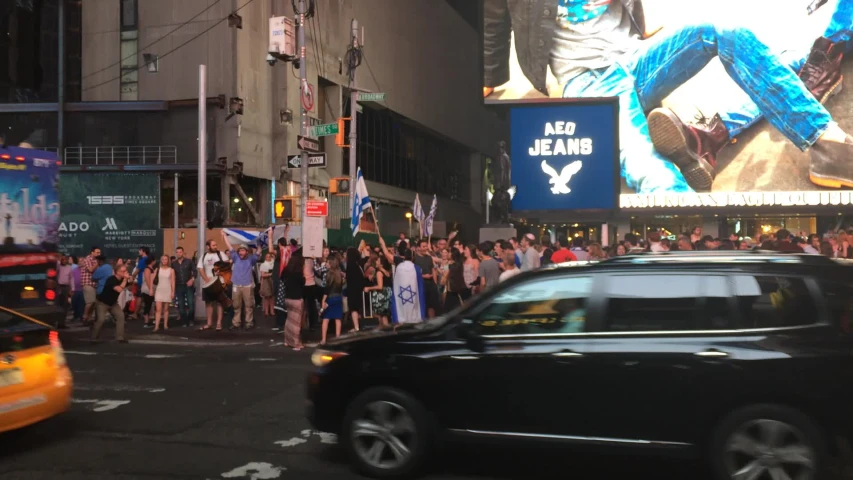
point(654, 303)
point(550, 305)
point(839, 303)
point(646, 303)
point(770, 301)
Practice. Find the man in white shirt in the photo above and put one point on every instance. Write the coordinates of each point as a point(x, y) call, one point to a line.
point(211, 284)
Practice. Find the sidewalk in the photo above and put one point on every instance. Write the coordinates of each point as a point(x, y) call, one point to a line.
point(178, 334)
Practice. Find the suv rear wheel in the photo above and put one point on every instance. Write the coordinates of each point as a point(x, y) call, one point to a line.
point(386, 433)
point(767, 441)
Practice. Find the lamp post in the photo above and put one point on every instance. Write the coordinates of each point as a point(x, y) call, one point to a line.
point(409, 218)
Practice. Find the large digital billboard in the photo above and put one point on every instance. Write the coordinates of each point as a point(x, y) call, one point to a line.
point(730, 103)
point(564, 156)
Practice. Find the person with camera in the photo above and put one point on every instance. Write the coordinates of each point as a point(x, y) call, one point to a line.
point(107, 301)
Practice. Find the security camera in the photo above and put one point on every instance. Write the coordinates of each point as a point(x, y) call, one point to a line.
point(271, 60)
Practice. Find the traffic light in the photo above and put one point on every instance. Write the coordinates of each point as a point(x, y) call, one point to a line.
point(340, 138)
point(285, 208)
point(215, 214)
point(339, 186)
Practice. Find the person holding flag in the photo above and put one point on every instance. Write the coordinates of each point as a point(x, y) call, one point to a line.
point(408, 304)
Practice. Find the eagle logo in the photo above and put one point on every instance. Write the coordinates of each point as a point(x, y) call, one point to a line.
point(560, 181)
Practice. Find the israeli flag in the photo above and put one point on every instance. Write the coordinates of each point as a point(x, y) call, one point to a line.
point(409, 302)
point(427, 225)
point(361, 202)
point(252, 238)
point(418, 213)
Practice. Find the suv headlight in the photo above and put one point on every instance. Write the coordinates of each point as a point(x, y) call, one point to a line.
point(321, 358)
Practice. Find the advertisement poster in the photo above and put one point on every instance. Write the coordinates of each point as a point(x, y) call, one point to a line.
point(564, 156)
point(117, 212)
point(719, 106)
point(29, 201)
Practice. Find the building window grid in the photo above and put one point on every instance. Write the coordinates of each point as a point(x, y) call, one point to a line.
point(400, 155)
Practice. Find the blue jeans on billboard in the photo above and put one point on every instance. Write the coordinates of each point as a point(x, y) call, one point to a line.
point(738, 117)
point(185, 301)
point(642, 80)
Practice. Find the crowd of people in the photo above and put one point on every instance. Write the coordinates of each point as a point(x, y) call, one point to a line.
point(351, 287)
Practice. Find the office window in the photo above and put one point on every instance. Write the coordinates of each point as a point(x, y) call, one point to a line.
point(128, 15)
point(393, 151)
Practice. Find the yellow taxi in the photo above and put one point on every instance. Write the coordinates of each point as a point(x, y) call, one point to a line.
point(35, 382)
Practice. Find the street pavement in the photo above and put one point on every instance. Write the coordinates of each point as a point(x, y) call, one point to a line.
point(184, 406)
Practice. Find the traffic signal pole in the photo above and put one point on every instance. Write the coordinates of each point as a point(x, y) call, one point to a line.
point(353, 112)
point(303, 85)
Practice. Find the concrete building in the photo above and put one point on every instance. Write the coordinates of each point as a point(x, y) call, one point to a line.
point(135, 102)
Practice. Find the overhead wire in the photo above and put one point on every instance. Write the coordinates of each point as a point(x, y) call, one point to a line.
point(155, 42)
point(211, 27)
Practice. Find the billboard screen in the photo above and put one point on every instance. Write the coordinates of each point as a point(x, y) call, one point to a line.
point(119, 213)
point(564, 156)
point(718, 106)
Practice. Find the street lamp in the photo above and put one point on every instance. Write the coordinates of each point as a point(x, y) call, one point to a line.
point(409, 218)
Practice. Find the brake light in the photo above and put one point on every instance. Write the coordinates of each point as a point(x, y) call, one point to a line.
point(5, 156)
point(51, 272)
point(56, 345)
point(50, 295)
point(20, 159)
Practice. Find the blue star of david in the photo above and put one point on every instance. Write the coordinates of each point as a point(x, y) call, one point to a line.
point(407, 295)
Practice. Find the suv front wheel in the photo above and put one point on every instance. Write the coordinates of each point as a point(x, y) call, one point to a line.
point(386, 433)
point(767, 441)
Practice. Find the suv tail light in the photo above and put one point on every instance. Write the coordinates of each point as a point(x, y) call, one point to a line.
point(56, 345)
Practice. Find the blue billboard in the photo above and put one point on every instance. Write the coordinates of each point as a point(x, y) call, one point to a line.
point(565, 156)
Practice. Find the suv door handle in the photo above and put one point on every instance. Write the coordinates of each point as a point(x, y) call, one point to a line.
point(711, 353)
point(566, 354)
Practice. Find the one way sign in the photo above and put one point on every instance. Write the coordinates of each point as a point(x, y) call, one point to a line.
point(317, 160)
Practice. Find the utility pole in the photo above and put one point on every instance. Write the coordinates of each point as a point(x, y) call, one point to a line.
point(60, 81)
point(175, 229)
point(353, 148)
point(303, 85)
point(202, 178)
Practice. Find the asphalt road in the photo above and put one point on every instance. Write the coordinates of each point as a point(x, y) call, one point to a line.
point(190, 409)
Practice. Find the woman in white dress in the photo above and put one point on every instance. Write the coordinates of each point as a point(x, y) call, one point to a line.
point(164, 292)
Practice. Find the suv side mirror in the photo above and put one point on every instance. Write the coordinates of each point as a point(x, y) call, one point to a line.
point(473, 340)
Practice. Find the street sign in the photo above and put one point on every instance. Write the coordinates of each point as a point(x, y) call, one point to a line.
point(371, 97)
point(323, 130)
point(317, 208)
point(316, 160)
point(308, 144)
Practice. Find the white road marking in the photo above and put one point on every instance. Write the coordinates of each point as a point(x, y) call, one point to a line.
point(290, 443)
point(327, 438)
point(102, 405)
point(255, 471)
point(262, 359)
point(118, 388)
point(162, 355)
point(75, 352)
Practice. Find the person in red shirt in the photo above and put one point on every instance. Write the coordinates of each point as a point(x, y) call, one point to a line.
point(563, 255)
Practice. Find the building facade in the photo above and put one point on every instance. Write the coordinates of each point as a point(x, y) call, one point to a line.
point(132, 96)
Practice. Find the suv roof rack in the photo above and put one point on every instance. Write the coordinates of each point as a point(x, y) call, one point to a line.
point(719, 256)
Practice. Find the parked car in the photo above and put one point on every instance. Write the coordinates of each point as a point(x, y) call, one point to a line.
point(740, 358)
point(35, 382)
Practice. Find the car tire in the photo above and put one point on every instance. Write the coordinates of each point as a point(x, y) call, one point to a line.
point(394, 419)
point(768, 437)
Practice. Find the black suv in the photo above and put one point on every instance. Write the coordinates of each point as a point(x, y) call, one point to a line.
point(740, 358)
